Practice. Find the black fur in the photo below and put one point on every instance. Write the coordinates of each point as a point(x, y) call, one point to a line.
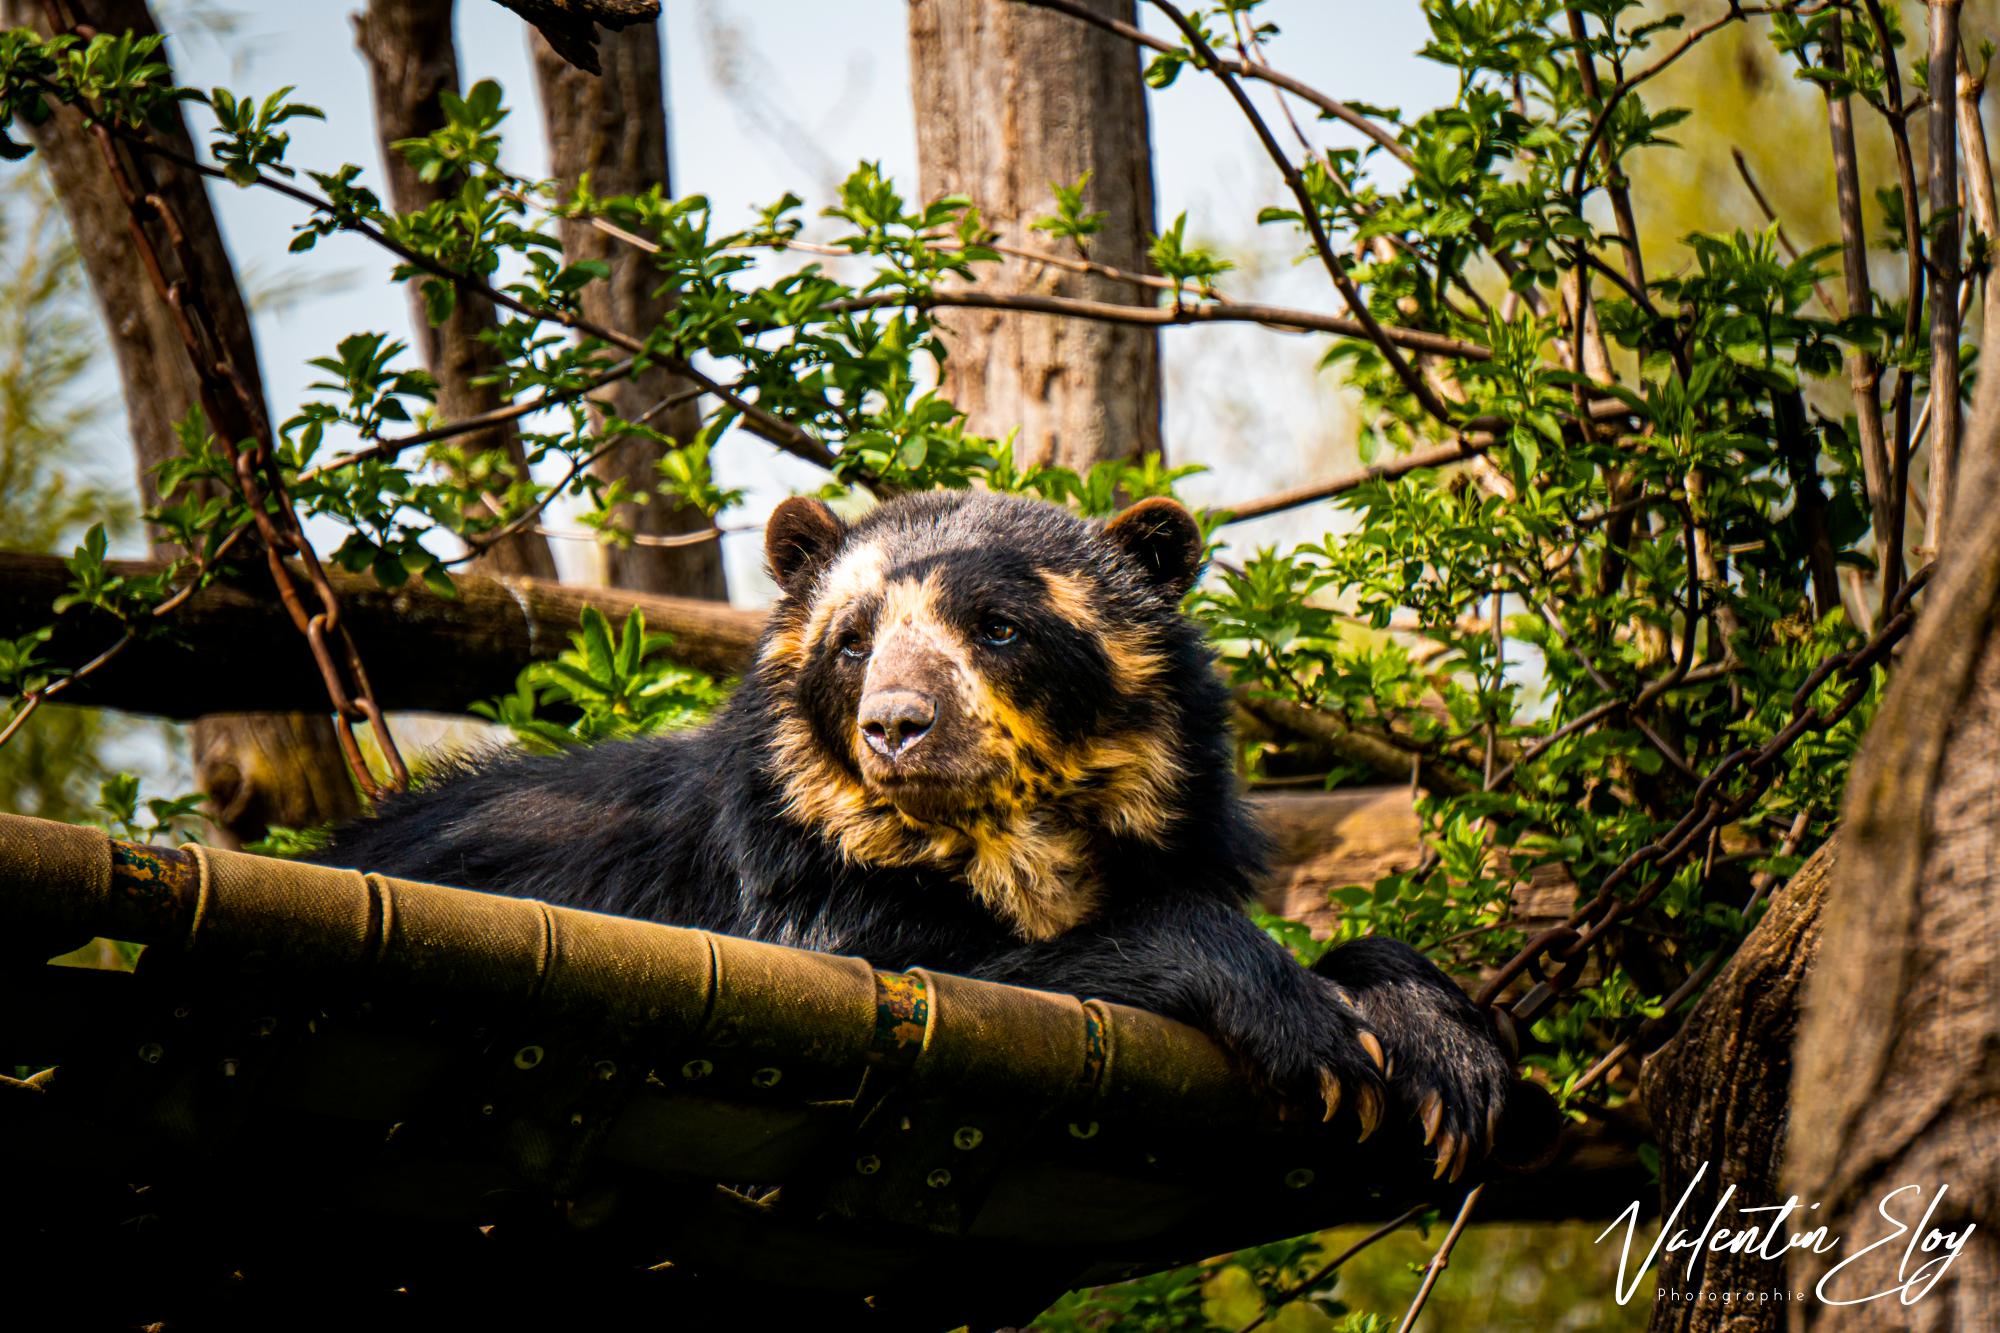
point(691, 828)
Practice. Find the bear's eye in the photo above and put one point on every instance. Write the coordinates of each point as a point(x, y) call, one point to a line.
point(853, 646)
point(998, 631)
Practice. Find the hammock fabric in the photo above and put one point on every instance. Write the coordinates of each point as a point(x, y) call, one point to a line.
point(347, 1097)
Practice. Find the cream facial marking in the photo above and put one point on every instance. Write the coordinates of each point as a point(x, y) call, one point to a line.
point(1134, 667)
point(857, 573)
point(1071, 598)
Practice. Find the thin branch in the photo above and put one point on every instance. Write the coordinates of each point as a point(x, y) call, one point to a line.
point(1248, 47)
point(1602, 120)
point(1535, 751)
point(1221, 312)
point(1309, 212)
point(1077, 264)
point(1327, 1269)
point(671, 541)
point(1555, 622)
point(478, 542)
point(1069, 263)
point(1930, 398)
point(33, 699)
point(383, 450)
point(1442, 1259)
point(1279, 501)
point(1826, 299)
point(1913, 250)
point(1636, 295)
point(1979, 193)
point(1476, 440)
point(1864, 372)
point(937, 241)
point(1218, 310)
point(1215, 311)
point(1760, 884)
point(1332, 106)
point(790, 437)
point(1942, 132)
point(1492, 728)
point(1614, 181)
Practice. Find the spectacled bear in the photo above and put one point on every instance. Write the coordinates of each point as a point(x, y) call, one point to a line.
point(979, 736)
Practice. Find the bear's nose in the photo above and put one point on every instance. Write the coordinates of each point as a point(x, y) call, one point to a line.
point(893, 721)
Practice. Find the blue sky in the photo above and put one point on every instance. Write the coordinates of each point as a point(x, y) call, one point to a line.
point(782, 95)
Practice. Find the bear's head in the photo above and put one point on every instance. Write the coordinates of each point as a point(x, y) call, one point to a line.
point(990, 686)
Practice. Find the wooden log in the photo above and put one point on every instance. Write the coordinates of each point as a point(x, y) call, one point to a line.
point(633, 989)
point(231, 647)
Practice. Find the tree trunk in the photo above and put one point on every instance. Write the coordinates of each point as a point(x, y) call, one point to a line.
point(411, 61)
point(1010, 100)
point(249, 766)
point(1718, 1095)
point(613, 128)
point(1898, 1061)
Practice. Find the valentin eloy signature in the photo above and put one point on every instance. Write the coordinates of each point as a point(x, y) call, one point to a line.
point(1927, 1250)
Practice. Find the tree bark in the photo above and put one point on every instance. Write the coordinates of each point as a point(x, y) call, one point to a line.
point(1718, 1095)
point(248, 766)
point(613, 129)
point(412, 61)
point(1010, 99)
point(1897, 1078)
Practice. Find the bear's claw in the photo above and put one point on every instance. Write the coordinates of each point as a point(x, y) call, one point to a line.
point(1368, 1109)
point(1451, 1074)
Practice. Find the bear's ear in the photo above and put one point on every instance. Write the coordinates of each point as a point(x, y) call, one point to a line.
point(1164, 539)
point(800, 539)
